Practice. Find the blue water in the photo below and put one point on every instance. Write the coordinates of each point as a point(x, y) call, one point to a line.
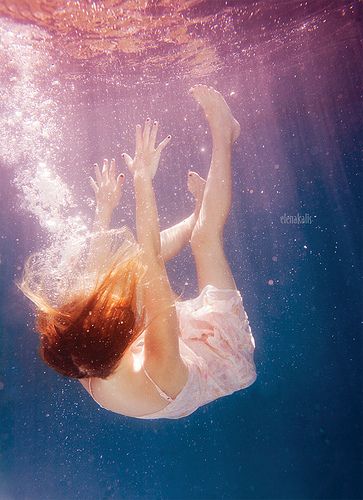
point(296, 433)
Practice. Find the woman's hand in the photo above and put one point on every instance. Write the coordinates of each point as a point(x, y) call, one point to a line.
point(106, 187)
point(146, 160)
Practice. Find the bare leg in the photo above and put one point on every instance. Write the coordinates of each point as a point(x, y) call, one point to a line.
point(177, 237)
point(207, 237)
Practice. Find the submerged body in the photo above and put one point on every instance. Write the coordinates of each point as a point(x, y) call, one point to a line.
point(121, 330)
point(216, 345)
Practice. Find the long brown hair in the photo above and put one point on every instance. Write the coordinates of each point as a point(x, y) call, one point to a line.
point(87, 334)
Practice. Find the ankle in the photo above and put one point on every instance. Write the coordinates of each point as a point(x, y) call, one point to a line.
point(194, 218)
point(192, 221)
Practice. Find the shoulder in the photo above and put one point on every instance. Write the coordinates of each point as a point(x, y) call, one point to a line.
point(118, 391)
point(129, 392)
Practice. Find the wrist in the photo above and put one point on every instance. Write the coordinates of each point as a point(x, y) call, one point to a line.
point(142, 177)
point(102, 217)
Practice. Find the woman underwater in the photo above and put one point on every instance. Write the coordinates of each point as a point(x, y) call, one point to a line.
point(136, 348)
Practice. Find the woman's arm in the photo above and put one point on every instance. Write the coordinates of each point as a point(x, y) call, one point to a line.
point(162, 336)
point(107, 189)
point(147, 219)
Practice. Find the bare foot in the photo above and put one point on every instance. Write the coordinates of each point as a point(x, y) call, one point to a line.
point(196, 185)
point(217, 112)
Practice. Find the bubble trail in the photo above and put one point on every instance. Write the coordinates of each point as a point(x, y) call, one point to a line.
point(31, 129)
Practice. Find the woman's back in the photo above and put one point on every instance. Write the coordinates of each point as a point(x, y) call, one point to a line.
point(130, 390)
point(216, 345)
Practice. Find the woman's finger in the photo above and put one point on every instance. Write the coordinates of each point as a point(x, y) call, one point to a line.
point(119, 182)
point(163, 144)
point(146, 135)
point(153, 133)
point(120, 179)
point(94, 185)
point(138, 140)
point(105, 168)
point(112, 171)
point(128, 159)
point(98, 173)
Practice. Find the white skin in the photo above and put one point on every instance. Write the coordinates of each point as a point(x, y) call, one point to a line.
point(207, 237)
point(202, 227)
point(107, 187)
point(204, 230)
point(108, 193)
